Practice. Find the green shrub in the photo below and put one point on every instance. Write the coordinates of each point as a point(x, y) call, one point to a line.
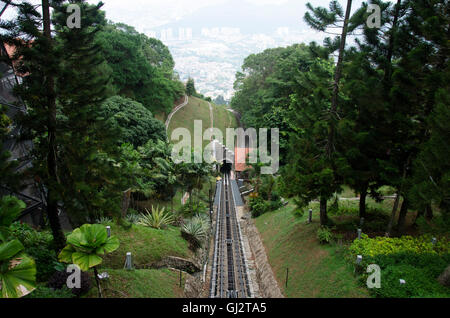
point(193, 209)
point(436, 226)
point(385, 245)
point(258, 206)
point(387, 191)
point(413, 259)
point(324, 235)
point(275, 205)
point(334, 208)
point(299, 213)
point(45, 292)
point(39, 246)
point(419, 271)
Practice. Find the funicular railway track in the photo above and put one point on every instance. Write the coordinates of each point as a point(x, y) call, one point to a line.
point(229, 273)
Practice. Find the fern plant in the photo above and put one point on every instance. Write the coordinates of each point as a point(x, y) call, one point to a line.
point(157, 219)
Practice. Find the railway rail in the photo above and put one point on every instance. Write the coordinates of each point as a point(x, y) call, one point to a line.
point(229, 272)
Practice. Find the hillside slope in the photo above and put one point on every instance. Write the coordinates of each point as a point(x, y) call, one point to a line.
point(315, 271)
point(198, 109)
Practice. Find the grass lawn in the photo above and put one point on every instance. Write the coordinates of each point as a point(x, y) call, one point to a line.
point(144, 283)
point(196, 109)
point(147, 246)
point(223, 119)
point(314, 270)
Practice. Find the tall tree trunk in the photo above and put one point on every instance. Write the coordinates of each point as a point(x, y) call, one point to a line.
point(52, 198)
point(362, 203)
point(394, 213)
point(429, 212)
point(337, 79)
point(323, 212)
point(402, 216)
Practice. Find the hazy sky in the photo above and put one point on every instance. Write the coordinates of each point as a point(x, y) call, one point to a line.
point(146, 14)
point(151, 13)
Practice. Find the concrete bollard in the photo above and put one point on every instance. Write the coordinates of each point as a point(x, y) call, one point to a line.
point(108, 230)
point(359, 234)
point(359, 259)
point(128, 262)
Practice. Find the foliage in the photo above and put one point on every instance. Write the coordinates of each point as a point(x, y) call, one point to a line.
point(136, 123)
point(17, 271)
point(193, 209)
point(59, 282)
point(42, 292)
point(190, 87)
point(133, 218)
point(10, 209)
point(196, 230)
point(157, 219)
point(324, 235)
point(8, 173)
point(386, 246)
point(258, 206)
point(104, 220)
point(420, 271)
point(142, 68)
point(39, 245)
point(86, 245)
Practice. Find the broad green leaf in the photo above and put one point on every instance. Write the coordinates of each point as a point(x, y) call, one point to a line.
point(20, 278)
point(66, 254)
point(112, 244)
point(86, 261)
point(10, 249)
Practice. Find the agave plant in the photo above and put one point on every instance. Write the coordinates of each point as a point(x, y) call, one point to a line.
point(158, 219)
point(85, 247)
point(195, 230)
point(17, 271)
point(133, 218)
point(104, 220)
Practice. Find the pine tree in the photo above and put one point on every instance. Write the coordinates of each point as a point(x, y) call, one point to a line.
point(190, 87)
point(321, 20)
point(87, 143)
point(309, 175)
point(8, 177)
point(37, 57)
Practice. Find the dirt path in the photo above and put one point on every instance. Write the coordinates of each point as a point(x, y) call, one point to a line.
point(177, 108)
